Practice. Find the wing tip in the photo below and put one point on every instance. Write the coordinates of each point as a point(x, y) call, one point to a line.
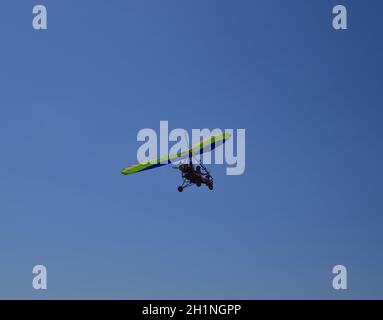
point(226, 135)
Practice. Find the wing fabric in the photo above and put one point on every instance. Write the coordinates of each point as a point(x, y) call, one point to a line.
point(206, 145)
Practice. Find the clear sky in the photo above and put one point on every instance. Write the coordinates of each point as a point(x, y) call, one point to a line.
point(73, 98)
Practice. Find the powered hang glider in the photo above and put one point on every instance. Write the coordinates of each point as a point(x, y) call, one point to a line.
point(191, 174)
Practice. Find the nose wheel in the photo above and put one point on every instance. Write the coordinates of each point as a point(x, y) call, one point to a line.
point(180, 189)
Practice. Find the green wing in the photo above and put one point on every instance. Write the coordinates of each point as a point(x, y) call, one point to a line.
point(205, 145)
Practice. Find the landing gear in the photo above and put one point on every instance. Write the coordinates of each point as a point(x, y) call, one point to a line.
point(180, 189)
point(198, 184)
point(210, 186)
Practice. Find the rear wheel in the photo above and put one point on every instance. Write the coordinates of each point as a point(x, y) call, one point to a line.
point(210, 186)
point(180, 189)
point(198, 184)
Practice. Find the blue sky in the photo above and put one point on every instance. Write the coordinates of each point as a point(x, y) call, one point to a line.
point(73, 98)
